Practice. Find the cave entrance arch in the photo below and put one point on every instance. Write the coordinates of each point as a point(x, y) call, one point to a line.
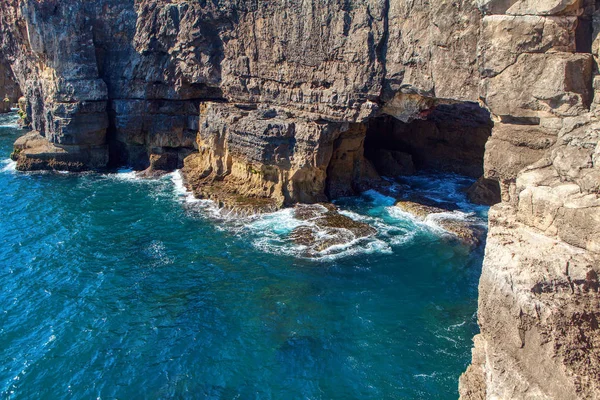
point(449, 138)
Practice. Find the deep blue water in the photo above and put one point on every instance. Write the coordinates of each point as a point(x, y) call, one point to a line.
point(112, 287)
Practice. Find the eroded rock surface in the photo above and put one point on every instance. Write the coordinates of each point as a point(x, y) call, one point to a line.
point(326, 228)
point(538, 302)
point(460, 228)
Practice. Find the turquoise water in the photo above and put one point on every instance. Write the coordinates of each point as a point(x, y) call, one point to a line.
point(113, 287)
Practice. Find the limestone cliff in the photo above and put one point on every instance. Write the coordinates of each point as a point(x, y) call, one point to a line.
point(266, 104)
point(9, 90)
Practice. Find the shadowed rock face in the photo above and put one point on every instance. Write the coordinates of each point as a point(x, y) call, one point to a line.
point(449, 138)
point(267, 104)
point(9, 90)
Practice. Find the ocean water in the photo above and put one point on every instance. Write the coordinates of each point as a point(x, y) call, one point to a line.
point(113, 287)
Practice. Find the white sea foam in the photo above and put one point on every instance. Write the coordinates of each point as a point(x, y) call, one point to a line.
point(271, 232)
point(125, 174)
point(281, 222)
point(426, 376)
point(354, 216)
point(433, 220)
point(449, 339)
point(399, 214)
point(180, 189)
point(208, 207)
point(9, 121)
point(360, 246)
point(455, 326)
point(272, 235)
point(8, 165)
point(379, 198)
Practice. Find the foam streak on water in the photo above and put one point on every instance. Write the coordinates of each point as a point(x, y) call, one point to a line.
point(270, 232)
point(8, 165)
point(114, 286)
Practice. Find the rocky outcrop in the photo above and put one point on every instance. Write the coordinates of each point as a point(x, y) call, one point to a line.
point(538, 313)
point(484, 191)
point(268, 104)
point(538, 297)
point(325, 228)
point(462, 229)
point(33, 152)
point(279, 157)
point(133, 73)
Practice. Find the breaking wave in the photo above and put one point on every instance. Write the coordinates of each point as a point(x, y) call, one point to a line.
point(8, 165)
point(273, 232)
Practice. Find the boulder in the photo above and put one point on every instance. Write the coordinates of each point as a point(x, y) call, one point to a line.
point(33, 152)
point(484, 191)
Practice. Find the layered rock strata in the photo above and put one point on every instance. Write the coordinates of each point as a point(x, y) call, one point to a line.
point(275, 157)
point(539, 303)
point(268, 104)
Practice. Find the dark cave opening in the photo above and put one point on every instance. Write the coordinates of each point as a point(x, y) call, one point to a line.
point(450, 139)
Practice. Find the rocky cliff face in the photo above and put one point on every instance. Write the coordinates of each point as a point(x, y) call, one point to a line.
point(9, 90)
point(266, 104)
point(538, 301)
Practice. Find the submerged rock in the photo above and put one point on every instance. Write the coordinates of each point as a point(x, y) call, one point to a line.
point(421, 211)
point(326, 228)
point(466, 233)
point(463, 230)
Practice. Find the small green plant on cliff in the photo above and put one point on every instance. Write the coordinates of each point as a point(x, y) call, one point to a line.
point(252, 170)
point(22, 114)
point(15, 154)
point(6, 100)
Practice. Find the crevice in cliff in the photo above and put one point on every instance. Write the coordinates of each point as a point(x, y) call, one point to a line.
point(382, 46)
point(584, 34)
point(10, 92)
point(143, 130)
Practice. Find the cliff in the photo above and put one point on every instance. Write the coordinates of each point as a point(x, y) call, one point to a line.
point(265, 104)
point(9, 90)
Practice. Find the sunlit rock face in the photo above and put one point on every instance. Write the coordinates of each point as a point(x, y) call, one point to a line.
point(538, 294)
point(266, 104)
point(103, 73)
